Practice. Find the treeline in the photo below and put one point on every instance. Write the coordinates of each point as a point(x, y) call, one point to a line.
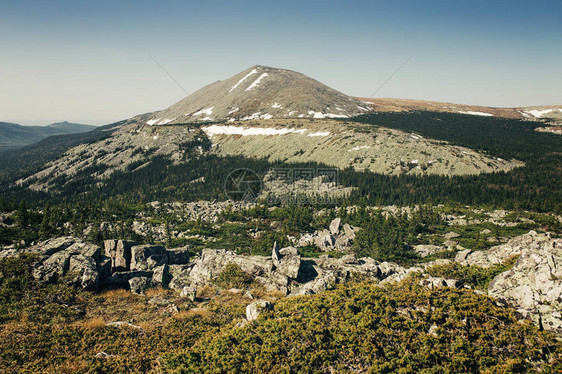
point(534, 187)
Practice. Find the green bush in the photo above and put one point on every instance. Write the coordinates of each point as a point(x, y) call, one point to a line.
point(233, 277)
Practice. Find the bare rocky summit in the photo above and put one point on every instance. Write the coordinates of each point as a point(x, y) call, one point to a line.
point(261, 92)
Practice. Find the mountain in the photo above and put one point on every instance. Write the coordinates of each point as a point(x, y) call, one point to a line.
point(550, 115)
point(283, 118)
point(14, 136)
point(70, 128)
point(261, 92)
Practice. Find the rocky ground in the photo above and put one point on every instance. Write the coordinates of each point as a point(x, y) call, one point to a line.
point(533, 285)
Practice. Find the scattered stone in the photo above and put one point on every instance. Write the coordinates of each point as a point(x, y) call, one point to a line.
point(451, 235)
point(433, 330)
point(254, 309)
point(105, 355)
point(450, 243)
point(248, 295)
point(189, 292)
point(124, 324)
point(425, 250)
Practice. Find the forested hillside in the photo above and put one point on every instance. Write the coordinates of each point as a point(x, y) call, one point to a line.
point(535, 186)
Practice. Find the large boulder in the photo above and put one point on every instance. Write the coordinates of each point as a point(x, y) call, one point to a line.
point(212, 262)
point(57, 264)
point(121, 279)
point(161, 276)
point(286, 261)
point(178, 256)
point(335, 226)
point(145, 257)
point(120, 253)
point(85, 267)
point(256, 308)
point(179, 276)
point(54, 245)
point(139, 284)
point(501, 253)
point(53, 267)
point(534, 284)
point(424, 250)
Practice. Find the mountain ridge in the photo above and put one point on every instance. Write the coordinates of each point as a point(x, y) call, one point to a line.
point(13, 135)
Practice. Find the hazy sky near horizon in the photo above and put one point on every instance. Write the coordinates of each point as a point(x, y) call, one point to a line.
point(89, 61)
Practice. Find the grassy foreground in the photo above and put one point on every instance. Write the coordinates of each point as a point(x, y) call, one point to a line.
point(358, 327)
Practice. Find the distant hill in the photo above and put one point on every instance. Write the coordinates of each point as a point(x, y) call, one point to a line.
point(13, 135)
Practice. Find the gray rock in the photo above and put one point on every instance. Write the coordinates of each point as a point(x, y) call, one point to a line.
point(189, 292)
point(140, 254)
point(275, 254)
point(86, 270)
point(501, 253)
point(274, 282)
point(335, 226)
point(425, 250)
point(213, 261)
point(178, 256)
point(53, 267)
point(120, 253)
point(289, 266)
point(121, 278)
point(450, 243)
point(289, 251)
point(451, 235)
point(104, 268)
point(534, 285)
point(54, 245)
point(161, 276)
point(256, 308)
point(139, 284)
point(179, 276)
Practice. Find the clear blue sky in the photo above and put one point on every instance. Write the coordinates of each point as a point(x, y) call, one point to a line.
point(88, 61)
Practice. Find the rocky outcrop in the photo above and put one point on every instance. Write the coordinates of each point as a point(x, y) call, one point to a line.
point(120, 253)
point(534, 284)
point(336, 237)
point(501, 253)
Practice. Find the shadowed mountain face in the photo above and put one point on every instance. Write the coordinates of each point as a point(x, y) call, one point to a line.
point(261, 92)
point(14, 136)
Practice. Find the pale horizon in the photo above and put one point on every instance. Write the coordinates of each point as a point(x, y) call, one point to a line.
point(90, 62)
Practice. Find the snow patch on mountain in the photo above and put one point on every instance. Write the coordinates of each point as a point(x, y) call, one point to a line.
point(540, 113)
point(248, 131)
point(484, 114)
point(254, 71)
point(207, 112)
point(257, 81)
point(320, 133)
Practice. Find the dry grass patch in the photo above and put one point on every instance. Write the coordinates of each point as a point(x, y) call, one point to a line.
point(93, 323)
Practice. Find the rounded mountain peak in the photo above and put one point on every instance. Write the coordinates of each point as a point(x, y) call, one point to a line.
point(261, 92)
